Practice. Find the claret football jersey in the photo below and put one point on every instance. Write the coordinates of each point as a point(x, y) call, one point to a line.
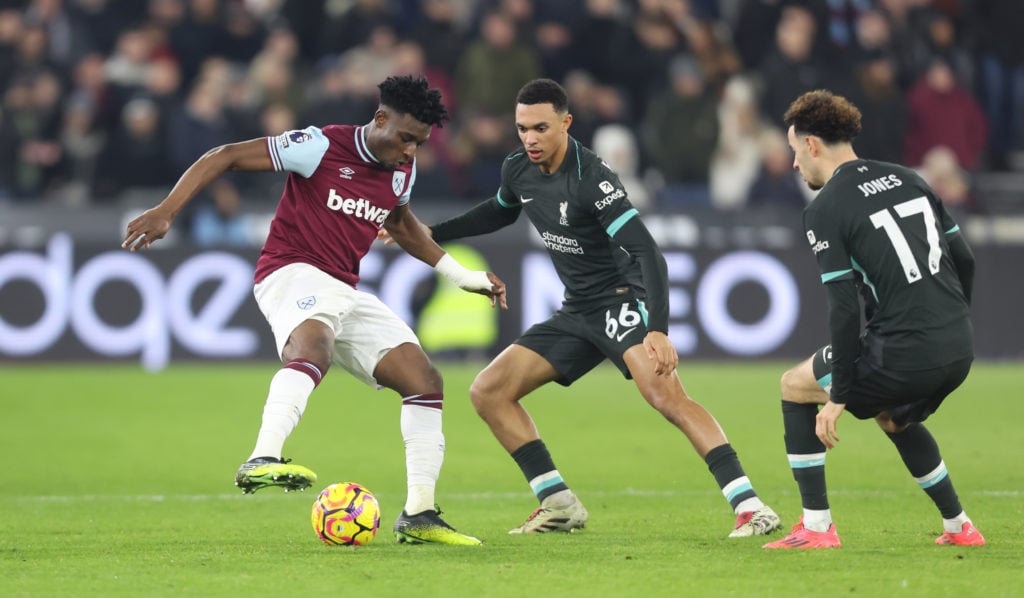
point(336, 198)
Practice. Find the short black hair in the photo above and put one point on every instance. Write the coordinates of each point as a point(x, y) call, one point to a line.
point(544, 91)
point(824, 114)
point(413, 95)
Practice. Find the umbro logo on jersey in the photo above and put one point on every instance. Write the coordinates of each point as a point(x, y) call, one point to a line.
point(306, 302)
point(346, 173)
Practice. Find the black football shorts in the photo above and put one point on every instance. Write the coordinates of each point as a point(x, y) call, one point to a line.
point(575, 341)
point(908, 396)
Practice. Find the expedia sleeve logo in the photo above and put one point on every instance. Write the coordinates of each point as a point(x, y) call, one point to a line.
point(816, 245)
point(611, 194)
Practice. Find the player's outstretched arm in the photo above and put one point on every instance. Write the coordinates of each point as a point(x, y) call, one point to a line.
point(154, 223)
point(412, 236)
point(485, 217)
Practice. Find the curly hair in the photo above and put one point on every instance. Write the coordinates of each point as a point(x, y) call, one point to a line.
point(824, 114)
point(544, 91)
point(412, 95)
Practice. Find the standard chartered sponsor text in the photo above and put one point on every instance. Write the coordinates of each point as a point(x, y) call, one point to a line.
point(561, 243)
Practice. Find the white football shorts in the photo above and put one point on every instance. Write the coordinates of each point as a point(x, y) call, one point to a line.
point(364, 328)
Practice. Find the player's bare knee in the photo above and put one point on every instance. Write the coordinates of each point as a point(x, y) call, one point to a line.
point(316, 350)
point(480, 395)
point(424, 374)
point(485, 392)
point(667, 403)
point(885, 422)
point(788, 384)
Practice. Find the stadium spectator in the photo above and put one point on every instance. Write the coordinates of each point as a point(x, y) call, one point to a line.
point(338, 93)
point(198, 35)
point(943, 113)
point(940, 40)
point(792, 67)
point(841, 24)
point(350, 24)
point(30, 151)
point(478, 147)
point(157, 49)
point(493, 67)
point(30, 52)
point(874, 38)
point(737, 157)
point(944, 175)
point(81, 143)
point(998, 26)
point(594, 105)
point(619, 148)
point(102, 20)
point(243, 34)
point(596, 38)
point(640, 60)
point(441, 34)
point(776, 186)
point(66, 36)
point(679, 131)
point(883, 106)
point(136, 160)
point(375, 58)
point(12, 27)
point(754, 30)
point(200, 123)
point(710, 45)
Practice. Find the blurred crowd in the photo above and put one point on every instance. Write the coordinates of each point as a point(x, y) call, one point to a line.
point(106, 100)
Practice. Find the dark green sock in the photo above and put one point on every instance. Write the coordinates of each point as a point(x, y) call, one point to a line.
point(806, 454)
point(539, 468)
point(920, 453)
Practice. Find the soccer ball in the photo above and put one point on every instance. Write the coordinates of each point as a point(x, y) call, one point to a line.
point(346, 514)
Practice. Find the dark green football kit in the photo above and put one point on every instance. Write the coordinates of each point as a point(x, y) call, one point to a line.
point(614, 275)
point(878, 230)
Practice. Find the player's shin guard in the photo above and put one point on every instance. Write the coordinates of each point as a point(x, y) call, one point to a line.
point(920, 453)
point(424, 448)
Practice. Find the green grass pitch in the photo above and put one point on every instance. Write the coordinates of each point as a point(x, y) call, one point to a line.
point(119, 482)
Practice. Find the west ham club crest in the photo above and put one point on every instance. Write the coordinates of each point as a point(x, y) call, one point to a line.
point(398, 182)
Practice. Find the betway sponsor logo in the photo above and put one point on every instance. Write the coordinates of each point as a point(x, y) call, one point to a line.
point(561, 243)
point(360, 208)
